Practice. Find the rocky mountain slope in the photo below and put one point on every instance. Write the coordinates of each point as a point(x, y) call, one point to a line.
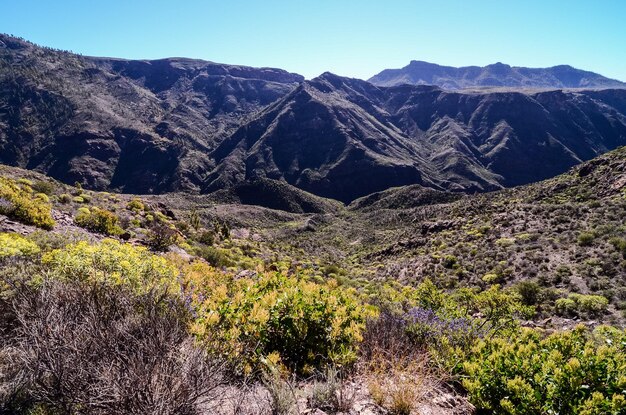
point(344, 138)
point(139, 126)
point(187, 125)
point(495, 75)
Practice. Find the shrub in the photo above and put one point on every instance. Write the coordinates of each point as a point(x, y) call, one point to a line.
point(43, 197)
point(48, 241)
point(18, 202)
point(136, 205)
point(306, 324)
point(78, 199)
point(333, 270)
point(331, 395)
point(65, 198)
point(44, 187)
point(568, 373)
point(207, 237)
point(585, 238)
point(214, 256)
point(88, 348)
point(424, 327)
point(529, 292)
point(114, 263)
point(282, 397)
point(98, 220)
point(620, 245)
point(160, 237)
point(582, 305)
point(14, 245)
point(449, 261)
point(398, 383)
point(25, 182)
point(505, 242)
point(194, 219)
point(491, 278)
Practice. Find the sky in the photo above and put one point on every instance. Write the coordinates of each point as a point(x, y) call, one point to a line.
point(347, 37)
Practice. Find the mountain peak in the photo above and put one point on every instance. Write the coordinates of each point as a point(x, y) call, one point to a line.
point(499, 65)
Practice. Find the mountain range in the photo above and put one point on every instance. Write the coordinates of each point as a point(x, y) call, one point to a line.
point(156, 126)
point(490, 76)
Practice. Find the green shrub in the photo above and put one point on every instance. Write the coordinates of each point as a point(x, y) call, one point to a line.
point(194, 219)
point(214, 256)
point(449, 261)
point(582, 305)
point(43, 197)
point(14, 245)
point(492, 278)
point(25, 182)
point(619, 244)
point(333, 269)
point(18, 202)
point(207, 237)
point(136, 205)
point(504, 242)
point(44, 187)
point(571, 372)
point(585, 238)
point(78, 199)
point(65, 198)
point(98, 220)
point(529, 292)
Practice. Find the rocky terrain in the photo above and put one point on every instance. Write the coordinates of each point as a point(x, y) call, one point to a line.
point(490, 76)
point(187, 125)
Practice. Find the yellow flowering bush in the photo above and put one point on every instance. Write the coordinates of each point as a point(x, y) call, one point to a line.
point(305, 323)
point(18, 202)
point(14, 245)
point(98, 220)
point(567, 373)
point(113, 262)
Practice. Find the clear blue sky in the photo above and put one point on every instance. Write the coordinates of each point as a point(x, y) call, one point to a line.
point(347, 37)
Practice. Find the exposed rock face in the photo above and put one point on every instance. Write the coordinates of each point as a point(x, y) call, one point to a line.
point(182, 124)
point(496, 75)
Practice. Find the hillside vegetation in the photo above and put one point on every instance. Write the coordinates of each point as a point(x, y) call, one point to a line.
point(407, 300)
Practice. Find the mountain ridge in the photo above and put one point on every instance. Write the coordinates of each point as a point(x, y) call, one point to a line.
point(189, 125)
point(494, 75)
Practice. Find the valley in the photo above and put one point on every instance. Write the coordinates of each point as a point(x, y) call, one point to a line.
point(179, 236)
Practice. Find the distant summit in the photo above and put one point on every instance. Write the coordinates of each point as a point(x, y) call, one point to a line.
point(495, 75)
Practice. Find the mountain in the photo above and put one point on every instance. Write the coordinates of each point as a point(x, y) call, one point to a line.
point(495, 75)
point(188, 125)
point(345, 138)
point(136, 126)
